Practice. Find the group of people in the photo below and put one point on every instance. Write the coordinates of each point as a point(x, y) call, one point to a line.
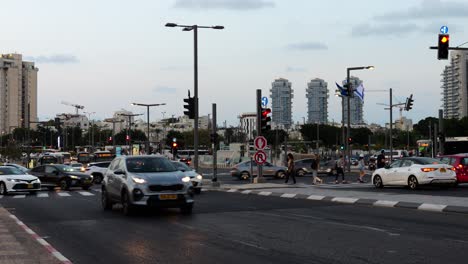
point(291, 172)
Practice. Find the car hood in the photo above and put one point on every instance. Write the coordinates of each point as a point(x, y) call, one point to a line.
point(26, 177)
point(161, 177)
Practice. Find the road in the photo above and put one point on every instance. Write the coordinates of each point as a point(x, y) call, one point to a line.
point(236, 228)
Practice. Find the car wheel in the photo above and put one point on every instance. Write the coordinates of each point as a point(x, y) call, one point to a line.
point(127, 207)
point(300, 173)
point(244, 175)
point(186, 209)
point(64, 184)
point(3, 189)
point(280, 175)
point(105, 202)
point(412, 182)
point(378, 182)
point(97, 178)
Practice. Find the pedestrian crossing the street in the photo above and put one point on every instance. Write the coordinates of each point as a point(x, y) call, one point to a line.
point(59, 194)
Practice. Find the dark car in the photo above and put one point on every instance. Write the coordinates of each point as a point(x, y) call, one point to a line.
point(460, 163)
point(52, 175)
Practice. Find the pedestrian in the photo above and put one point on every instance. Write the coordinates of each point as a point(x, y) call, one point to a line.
point(362, 167)
point(381, 159)
point(291, 171)
point(340, 163)
point(315, 166)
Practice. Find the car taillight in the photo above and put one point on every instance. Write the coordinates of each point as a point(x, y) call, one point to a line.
point(453, 168)
point(460, 166)
point(428, 169)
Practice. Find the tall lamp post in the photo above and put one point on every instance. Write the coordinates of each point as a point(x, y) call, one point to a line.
point(148, 122)
point(350, 93)
point(195, 83)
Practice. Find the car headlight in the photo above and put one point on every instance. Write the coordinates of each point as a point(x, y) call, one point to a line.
point(13, 180)
point(186, 179)
point(138, 180)
point(74, 177)
point(199, 177)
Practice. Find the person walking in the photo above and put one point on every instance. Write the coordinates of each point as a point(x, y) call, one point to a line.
point(291, 171)
point(315, 166)
point(340, 163)
point(362, 167)
point(381, 159)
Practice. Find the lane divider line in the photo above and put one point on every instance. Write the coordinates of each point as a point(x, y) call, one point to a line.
point(41, 241)
point(385, 203)
point(246, 192)
point(19, 196)
point(346, 200)
point(315, 197)
point(232, 190)
point(86, 193)
point(42, 195)
point(63, 194)
point(432, 207)
point(288, 195)
point(264, 193)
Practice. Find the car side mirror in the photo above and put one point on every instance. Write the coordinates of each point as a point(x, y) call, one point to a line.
point(119, 172)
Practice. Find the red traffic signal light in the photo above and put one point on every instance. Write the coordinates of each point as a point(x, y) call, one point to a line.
point(110, 139)
point(265, 120)
point(127, 138)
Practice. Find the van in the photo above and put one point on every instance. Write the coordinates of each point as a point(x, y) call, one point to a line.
point(396, 154)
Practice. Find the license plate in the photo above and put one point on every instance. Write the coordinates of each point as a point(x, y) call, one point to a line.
point(443, 170)
point(168, 197)
point(30, 186)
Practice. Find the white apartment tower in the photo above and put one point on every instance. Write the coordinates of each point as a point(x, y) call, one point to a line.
point(356, 105)
point(281, 103)
point(455, 86)
point(18, 92)
point(317, 101)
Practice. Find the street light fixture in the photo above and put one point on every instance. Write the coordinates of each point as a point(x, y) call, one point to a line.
point(350, 94)
point(195, 89)
point(148, 120)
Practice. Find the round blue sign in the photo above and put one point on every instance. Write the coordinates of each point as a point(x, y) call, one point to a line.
point(444, 29)
point(264, 101)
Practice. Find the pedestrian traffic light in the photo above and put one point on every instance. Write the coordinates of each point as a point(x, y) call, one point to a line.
point(350, 140)
point(342, 147)
point(190, 106)
point(265, 120)
point(127, 138)
point(409, 103)
point(110, 139)
point(443, 47)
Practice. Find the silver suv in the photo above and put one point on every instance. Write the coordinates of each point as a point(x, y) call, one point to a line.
point(150, 181)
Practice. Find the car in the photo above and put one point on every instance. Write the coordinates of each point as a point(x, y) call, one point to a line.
point(52, 175)
point(460, 163)
point(186, 160)
point(242, 170)
point(76, 165)
point(21, 168)
point(97, 170)
point(15, 180)
point(146, 181)
point(413, 172)
point(195, 177)
point(303, 167)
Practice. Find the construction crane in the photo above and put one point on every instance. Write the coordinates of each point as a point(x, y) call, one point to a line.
point(77, 107)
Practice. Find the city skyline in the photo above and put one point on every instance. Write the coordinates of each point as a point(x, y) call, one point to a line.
point(106, 55)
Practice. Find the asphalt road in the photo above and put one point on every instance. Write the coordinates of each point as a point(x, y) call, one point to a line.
point(237, 228)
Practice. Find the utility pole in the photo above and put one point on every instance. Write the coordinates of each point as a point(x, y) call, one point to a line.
point(214, 144)
point(258, 103)
point(391, 127)
point(441, 132)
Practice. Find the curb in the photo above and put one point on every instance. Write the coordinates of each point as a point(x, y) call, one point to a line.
point(439, 208)
point(41, 241)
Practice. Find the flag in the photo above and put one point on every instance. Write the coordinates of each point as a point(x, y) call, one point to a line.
point(359, 92)
point(343, 91)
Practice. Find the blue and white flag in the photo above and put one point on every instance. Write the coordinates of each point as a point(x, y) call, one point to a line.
point(359, 92)
point(343, 91)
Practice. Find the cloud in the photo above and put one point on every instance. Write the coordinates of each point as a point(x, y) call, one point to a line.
point(54, 59)
point(165, 90)
point(295, 69)
point(224, 4)
point(307, 46)
point(396, 29)
point(429, 9)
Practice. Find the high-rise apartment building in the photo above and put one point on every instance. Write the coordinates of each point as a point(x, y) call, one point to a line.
point(455, 86)
point(317, 101)
point(356, 105)
point(18, 92)
point(281, 102)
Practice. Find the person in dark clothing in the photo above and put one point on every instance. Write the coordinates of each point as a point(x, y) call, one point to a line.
point(291, 171)
point(381, 159)
point(340, 164)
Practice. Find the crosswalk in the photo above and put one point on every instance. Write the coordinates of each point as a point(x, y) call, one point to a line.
point(350, 185)
point(60, 194)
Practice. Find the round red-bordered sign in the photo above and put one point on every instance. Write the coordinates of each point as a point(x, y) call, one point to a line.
point(260, 142)
point(260, 157)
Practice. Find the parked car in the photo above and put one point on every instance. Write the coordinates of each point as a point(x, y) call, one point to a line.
point(97, 170)
point(195, 177)
point(21, 168)
point(413, 172)
point(242, 170)
point(14, 180)
point(146, 181)
point(460, 163)
point(64, 176)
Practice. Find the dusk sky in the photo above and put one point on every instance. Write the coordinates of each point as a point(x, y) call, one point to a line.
point(106, 54)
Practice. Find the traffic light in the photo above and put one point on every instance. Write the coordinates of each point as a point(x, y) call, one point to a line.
point(127, 138)
point(443, 47)
point(342, 147)
point(109, 139)
point(190, 106)
point(350, 140)
point(214, 138)
point(265, 120)
point(174, 148)
point(409, 103)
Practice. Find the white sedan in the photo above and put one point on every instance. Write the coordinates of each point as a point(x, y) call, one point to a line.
point(414, 171)
point(14, 180)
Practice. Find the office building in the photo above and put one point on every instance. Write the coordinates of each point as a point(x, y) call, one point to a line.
point(317, 101)
point(455, 86)
point(281, 103)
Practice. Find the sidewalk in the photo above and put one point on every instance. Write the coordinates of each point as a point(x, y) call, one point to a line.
point(327, 192)
point(19, 244)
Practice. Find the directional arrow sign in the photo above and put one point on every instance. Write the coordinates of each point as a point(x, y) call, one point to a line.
point(260, 157)
point(260, 142)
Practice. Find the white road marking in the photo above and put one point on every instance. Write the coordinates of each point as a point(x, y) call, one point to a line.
point(246, 191)
point(86, 193)
point(20, 196)
point(384, 203)
point(1, 196)
point(346, 200)
point(289, 195)
point(42, 195)
point(63, 194)
point(432, 207)
point(264, 193)
point(315, 197)
point(232, 190)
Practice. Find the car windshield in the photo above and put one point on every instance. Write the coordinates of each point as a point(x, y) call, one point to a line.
point(149, 164)
point(66, 168)
point(426, 161)
point(10, 171)
point(182, 166)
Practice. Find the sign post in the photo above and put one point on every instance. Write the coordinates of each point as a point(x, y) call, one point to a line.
point(260, 157)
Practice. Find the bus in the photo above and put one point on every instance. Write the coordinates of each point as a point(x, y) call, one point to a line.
point(86, 157)
point(455, 145)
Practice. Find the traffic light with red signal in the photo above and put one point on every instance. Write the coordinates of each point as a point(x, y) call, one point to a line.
point(265, 120)
point(443, 47)
point(127, 138)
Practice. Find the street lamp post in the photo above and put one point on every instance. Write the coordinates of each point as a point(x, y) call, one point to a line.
point(195, 86)
point(148, 122)
point(350, 94)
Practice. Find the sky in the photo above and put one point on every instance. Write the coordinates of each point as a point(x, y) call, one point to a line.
point(106, 54)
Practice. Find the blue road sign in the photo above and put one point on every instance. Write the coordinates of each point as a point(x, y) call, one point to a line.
point(444, 29)
point(264, 101)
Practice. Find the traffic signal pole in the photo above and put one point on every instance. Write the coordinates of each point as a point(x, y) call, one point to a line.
point(259, 130)
point(215, 182)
